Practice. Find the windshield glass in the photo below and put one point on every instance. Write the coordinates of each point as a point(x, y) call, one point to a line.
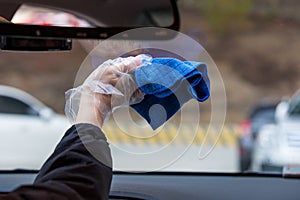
point(251, 52)
point(294, 108)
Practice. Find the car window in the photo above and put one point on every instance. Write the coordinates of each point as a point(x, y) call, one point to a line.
point(10, 105)
point(251, 49)
point(295, 107)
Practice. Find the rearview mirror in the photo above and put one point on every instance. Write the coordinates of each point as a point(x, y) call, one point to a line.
point(281, 111)
point(94, 19)
point(46, 113)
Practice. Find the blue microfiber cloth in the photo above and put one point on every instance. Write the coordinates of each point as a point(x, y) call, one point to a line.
point(168, 84)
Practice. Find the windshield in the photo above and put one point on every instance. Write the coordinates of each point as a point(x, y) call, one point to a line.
point(251, 51)
point(294, 108)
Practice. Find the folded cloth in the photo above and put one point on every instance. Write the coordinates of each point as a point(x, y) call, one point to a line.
point(168, 84)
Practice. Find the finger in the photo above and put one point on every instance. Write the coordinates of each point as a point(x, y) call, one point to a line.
point(131, 64)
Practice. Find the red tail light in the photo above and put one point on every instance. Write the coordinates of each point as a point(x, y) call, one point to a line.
point(245, 128)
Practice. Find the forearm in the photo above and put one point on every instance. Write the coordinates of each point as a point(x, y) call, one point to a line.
point(72, 172)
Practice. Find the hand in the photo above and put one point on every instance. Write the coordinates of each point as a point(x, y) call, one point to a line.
point(109, 79)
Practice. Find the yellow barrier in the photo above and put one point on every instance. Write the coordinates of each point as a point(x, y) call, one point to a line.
point(171, 134)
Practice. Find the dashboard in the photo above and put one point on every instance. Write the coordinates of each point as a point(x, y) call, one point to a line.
point(156, 186)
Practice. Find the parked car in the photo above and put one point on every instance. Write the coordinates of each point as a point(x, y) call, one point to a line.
point(278, 144)
point(27, 127)
point(261, 114)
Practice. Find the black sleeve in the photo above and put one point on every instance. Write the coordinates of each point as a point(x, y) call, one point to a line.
point(79, 168)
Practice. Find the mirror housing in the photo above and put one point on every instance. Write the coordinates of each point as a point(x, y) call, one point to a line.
point(46, 113)
point(12, 43)
point(281, 111)
point(103, 11)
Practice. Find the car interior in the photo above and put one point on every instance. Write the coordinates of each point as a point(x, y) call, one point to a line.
point(215, 149)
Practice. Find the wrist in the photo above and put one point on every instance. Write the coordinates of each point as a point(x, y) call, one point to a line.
point(92, 109)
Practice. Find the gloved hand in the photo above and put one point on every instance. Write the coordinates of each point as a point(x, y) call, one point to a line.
point(106, 88)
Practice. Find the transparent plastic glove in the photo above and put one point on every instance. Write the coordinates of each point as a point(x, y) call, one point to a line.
point(109, 86)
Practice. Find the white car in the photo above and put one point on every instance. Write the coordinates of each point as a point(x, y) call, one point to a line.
point(278, 144)
point(29, 130)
